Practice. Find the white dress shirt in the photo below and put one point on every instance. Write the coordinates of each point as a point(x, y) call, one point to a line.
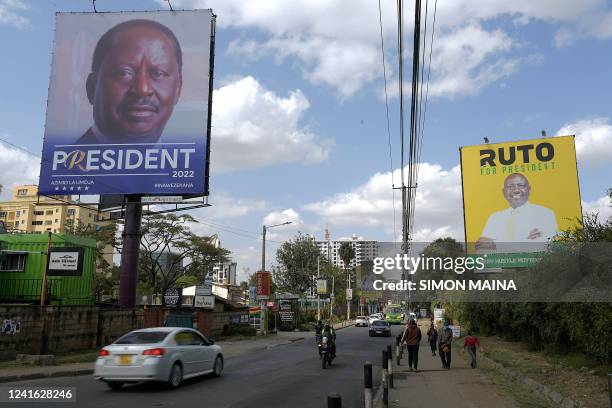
point(514, 224)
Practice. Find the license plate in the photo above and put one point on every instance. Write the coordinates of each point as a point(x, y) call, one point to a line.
point(378, 332)
point(125, 360)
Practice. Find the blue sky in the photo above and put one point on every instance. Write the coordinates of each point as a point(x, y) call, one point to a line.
point(306, 78)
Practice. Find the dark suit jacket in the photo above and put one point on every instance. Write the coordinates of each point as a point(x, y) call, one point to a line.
point(88, 138)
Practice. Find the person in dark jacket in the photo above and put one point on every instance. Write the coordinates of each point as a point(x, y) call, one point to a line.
point(445, 341)
point(432, 338)
point(412, 339)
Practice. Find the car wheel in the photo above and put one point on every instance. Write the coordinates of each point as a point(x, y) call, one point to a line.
point(114, 385)
point(176, 376)
point(218, 367)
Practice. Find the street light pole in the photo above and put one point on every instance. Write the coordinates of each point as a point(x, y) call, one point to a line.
point(318, 296)
point(262, 304)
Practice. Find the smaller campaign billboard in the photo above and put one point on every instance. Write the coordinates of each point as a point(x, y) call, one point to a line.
point(129, 104)
point(321, 286)
point(64, 261)
point(517, 196)
point(263, 285)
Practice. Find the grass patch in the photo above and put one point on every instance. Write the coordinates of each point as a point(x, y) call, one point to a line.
point(571, 374)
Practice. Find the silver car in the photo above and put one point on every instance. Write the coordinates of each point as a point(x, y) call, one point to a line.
point(168, 354)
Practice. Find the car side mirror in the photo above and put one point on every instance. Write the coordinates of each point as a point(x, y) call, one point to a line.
point(211, 342)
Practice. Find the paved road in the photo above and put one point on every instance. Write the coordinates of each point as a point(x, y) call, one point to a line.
point(285, 376)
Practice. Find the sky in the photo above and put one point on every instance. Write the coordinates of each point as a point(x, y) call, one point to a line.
point(299, 127)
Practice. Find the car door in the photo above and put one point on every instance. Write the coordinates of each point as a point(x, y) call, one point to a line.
point(203, 351)
point(184, 341)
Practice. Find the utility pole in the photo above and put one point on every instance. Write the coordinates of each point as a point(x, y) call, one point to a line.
point(43, 292)
point(348, 302)
point(262, 302)
point(318, 296)
point(332, 296)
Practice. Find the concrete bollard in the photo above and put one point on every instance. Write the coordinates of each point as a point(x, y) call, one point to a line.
point(367, 385)
point(385, 385)
point(390, 365)
point(610, 388)
point(398, 349)
point(334, 400)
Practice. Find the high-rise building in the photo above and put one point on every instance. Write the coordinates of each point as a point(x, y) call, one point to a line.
point(364, 250)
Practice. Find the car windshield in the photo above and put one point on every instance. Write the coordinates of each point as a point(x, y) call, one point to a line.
point(361, 317)
point(143, 337)
point(380, 323)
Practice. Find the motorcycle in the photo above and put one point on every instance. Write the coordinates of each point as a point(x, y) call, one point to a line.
point(326, 349)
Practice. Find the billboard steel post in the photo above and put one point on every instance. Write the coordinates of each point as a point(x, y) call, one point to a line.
point(129, 255)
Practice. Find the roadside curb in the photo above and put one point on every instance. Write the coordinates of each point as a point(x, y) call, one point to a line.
point(544, 391)
point(36, 376)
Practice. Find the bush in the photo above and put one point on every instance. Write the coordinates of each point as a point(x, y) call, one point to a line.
point(242, 329)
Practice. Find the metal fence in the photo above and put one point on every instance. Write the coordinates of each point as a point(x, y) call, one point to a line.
point(28, 290)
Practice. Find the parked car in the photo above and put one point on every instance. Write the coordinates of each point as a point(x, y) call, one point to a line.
point(167, 354)
point(380, 328)
point(362, 321)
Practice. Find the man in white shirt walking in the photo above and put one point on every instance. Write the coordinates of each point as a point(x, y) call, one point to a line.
point(522, 221)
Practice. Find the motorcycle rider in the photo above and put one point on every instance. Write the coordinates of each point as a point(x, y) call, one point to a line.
point(318, 327)
point(318, 330)
point(330, 333)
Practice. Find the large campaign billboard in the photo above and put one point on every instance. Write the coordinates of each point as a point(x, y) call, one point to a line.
point(128, 104)
point(520, 194)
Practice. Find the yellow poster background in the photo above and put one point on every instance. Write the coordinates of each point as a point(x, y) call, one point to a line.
point(554, 184)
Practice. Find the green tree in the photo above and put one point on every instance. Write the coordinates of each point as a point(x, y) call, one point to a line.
point(297, 263)
point(346, 253)
point(106, 278)
point(171, 255)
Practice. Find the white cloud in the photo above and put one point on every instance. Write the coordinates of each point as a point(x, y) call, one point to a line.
point(593, 140)
point(438, 204)
point(10, 13)
point(601, 206)
point(254, 127)
point(16, 167)
point(339, 46)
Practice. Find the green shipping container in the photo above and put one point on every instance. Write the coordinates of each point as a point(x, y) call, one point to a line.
point(23, 260)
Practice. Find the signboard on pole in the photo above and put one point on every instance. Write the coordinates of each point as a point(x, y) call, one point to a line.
point(204, 302)
point(438, 315)
point(517, 196)
point(118, 127)
point(321, 286)
point(65, 261)
point(252, 295)
point(172, 297)
point(456, 330)
point(349, 294)
point(263, 285)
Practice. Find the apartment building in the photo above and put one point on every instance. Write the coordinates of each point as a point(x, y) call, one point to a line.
point(225, 273)
point(364, 250)
point(27, 212)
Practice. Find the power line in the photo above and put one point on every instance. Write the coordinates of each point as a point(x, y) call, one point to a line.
point(382, 48)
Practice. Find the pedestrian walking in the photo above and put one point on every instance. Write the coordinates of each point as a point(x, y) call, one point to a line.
point(445, 340)
point(470, 343)
point(432, 338)
point(412, 339)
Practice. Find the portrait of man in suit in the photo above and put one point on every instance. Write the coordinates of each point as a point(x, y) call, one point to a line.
point(134, 84)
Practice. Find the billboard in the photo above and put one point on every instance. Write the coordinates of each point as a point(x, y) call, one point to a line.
point(321, 286)
point(263, 285)
point(128, 104)
point(518, 195)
